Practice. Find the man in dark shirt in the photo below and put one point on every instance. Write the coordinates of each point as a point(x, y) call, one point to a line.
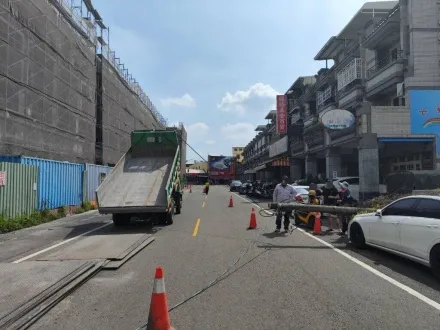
point(331, 196)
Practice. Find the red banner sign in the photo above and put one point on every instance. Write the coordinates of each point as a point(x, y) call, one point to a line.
point(282, 114)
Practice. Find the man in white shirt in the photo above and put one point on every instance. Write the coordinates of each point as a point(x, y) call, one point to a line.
point(283, 193)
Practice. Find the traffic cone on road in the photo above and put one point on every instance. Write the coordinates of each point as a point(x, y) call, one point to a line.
point(317, 225)
point(231, 202)
point(158, 318)
point(253, 220)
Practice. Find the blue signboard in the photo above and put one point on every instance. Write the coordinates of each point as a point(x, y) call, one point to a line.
point(425, 113)
point(220, 164)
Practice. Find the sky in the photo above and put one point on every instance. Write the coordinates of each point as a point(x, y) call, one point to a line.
point(217, 66)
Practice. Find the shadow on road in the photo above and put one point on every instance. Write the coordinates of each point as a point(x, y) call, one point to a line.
point(394, 263)
point(273, 246)
point(82, 228)
point(134, 227)
point(378, 258)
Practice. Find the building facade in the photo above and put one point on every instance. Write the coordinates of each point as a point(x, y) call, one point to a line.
point(386, 72)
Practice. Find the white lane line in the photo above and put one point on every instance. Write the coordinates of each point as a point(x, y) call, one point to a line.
point(402, 286)
point(256, 205)
point(57, 245)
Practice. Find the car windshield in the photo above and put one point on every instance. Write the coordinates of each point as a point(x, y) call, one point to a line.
point(301, 191)
point(236, 183)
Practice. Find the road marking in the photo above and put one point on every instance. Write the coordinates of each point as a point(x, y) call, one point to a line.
point(196, 228)
point(203, 204)
point(57, 245)
point(387, 278)
point(256, 205)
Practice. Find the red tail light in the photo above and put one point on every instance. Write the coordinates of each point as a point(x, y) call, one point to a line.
point(298, 198)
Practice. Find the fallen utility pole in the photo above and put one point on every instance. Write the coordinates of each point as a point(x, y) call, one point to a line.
point(317, 208)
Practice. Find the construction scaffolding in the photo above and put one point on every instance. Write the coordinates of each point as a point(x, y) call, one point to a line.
point(47, 83)
point(63, 93)
point(122, 113)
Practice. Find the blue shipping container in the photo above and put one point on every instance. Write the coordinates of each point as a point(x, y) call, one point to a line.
point(60, 183)
point(95, 174)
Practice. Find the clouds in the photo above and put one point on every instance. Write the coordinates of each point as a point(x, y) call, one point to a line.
point(239, 133)
point(186, 101)
point(197, 129)
point(240, 101)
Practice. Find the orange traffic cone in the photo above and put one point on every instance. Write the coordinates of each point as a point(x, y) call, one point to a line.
point(253, 220)
point(158, 318)
point(317, 225)
point(190, 188)
point(231, 202)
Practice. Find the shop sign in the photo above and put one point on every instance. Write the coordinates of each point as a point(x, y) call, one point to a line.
point(337, 119)
point(282, 114)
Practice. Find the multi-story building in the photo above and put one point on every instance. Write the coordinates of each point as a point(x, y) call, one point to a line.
point(386, 72)
point(266, 157)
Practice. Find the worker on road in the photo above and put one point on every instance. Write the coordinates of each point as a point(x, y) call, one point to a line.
point(313, 199)
point(283, 193)
point(207, 187)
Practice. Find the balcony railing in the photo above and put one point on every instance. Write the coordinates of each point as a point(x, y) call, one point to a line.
point(391, 57)
point(323, 96)
point(351, 72)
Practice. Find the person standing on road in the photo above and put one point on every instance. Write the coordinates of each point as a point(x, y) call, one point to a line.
point(207, 187)
point(318, 192)
point(346, 199)
point(331, 196)
point(283, 193)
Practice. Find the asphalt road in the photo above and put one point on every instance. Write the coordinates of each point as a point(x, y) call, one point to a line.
point(280, 281)
point(19, 244)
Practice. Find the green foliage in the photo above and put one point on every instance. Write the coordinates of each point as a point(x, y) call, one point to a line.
point(87, 206)
point(79, 210)
point(39, 217)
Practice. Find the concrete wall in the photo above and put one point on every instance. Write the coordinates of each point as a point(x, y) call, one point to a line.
point(424, 45)
point(47, 86)
point(390, 121)
point(122, 112)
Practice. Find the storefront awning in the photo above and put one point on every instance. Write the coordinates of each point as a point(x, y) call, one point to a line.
point(260, 167)
point(281, 162)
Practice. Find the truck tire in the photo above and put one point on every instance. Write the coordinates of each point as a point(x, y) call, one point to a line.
point(120, 220)
point(178, 206)
point(170, 217)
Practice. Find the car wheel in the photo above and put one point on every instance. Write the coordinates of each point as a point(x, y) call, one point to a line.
point(434, 260)
point(357, 236)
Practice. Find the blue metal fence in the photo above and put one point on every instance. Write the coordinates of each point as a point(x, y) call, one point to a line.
point(60, 183)
point(95, 174)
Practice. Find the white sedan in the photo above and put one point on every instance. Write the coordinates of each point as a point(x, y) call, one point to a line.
point(408, 227)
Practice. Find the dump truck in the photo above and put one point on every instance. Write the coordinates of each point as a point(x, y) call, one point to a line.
point(145, 183)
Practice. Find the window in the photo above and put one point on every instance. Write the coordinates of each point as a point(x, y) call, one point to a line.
point(351, 181)
point(101, 177)
point(428, 208)
point(403, 207)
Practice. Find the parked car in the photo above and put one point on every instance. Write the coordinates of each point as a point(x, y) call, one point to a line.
point(302, 194)
point(408, 227)
point(353, 182)
point(235, 185)
point(245, 187)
